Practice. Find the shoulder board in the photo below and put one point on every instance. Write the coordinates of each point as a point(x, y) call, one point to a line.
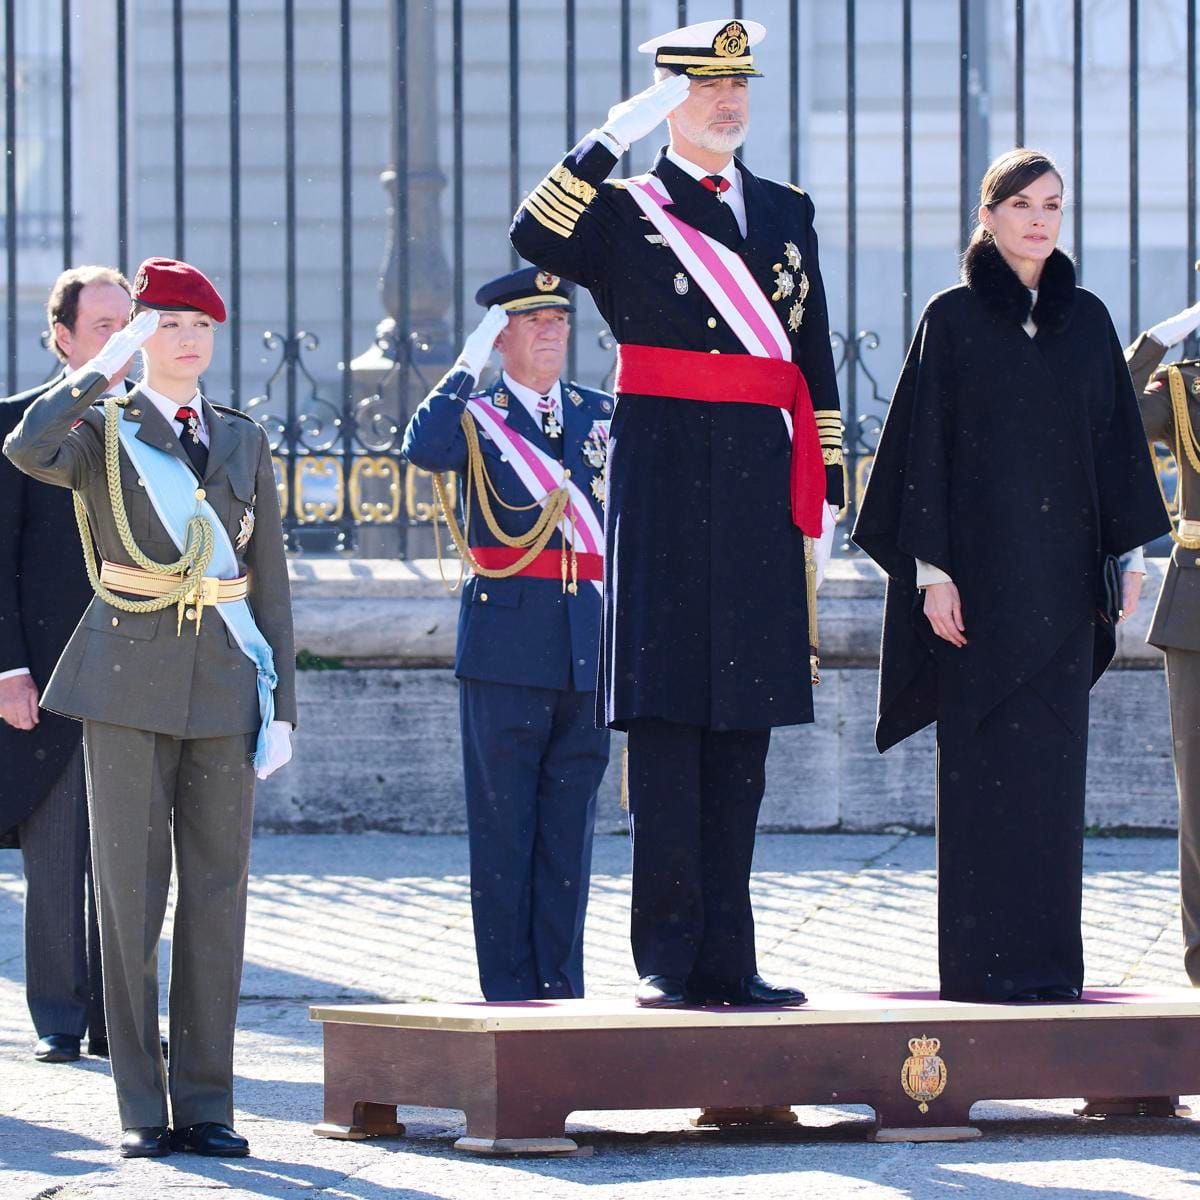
point(796, 188)
point(228, 411)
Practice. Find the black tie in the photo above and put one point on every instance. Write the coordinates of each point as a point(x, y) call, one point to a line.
point(189, 436)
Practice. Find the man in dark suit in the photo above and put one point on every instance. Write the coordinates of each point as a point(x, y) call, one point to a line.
point(725, 457)
point(531, 452)
point(43, 804)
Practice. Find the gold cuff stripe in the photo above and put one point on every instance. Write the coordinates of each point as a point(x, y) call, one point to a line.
point(560, 199)
point(832, 458)
point(572, 184)
point(543, 218)
point(549, 184)
point(525, 302)
point(553, 204)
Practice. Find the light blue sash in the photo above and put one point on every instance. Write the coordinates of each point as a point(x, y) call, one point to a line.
point(171, 487)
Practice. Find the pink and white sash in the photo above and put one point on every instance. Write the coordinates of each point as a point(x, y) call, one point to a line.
point(540, 475)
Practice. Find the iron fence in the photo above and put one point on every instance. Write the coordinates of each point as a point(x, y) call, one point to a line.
point(343, 482)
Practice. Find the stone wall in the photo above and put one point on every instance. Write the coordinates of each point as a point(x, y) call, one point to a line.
point(378, 744)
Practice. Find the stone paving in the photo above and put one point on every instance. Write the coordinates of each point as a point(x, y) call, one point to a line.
point(364, 917)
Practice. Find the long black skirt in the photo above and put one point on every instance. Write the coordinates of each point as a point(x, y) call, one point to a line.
point(1010, 819)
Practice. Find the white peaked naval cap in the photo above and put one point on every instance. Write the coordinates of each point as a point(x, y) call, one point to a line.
point(708, 49)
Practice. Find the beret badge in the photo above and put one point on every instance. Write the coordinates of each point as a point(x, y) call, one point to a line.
point(139, 282)
point(732, 41)
point(545, 282)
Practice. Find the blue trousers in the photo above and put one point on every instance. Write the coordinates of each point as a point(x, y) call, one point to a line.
point(533, 760)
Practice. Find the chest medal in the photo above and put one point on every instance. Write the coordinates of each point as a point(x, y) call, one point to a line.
point(681, 284)
point(246, 526)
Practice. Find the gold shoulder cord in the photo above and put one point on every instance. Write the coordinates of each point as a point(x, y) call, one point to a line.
point(1185, 440)
point(533, 542)
point(190, 566)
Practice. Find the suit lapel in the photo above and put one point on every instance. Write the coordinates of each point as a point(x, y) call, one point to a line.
point(695, 205)
point(222, 439)
point(576, 427)
point(153, 427)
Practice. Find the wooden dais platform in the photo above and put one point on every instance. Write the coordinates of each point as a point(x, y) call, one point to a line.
point(518, 1070)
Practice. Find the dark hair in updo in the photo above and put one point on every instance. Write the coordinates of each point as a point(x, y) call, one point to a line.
point(1009, 174)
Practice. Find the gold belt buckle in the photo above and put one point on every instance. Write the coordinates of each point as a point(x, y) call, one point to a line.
point(204, 591)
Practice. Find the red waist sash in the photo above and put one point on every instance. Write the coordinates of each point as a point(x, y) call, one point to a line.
point(738, 379)
point(546, 565)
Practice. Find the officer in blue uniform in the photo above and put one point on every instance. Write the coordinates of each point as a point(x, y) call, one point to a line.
point(706, 629)
point(529, 627)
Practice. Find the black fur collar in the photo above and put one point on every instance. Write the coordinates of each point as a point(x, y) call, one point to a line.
point(986, 273)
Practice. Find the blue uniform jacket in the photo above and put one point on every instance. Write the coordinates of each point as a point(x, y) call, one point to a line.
point(517, 630)
point(705, 619)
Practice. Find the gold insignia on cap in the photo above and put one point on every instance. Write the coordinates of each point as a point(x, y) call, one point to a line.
point(140, 281)
point(732, 41)
point(545, 282)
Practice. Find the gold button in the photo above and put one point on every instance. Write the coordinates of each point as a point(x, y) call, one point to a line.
point(1198, 562)
point(116, 621)
point(714, 352)
point(200, 493)
point(777, 267)
point(567, 473)
point(483, 597)
point(190, 614)
point(75, 393)
point(141, 482)
point(712, 322)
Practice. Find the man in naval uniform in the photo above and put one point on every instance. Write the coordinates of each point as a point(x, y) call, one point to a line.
point(530, 453)
point(43, 797)
point(725, 457)
point(182, 672)
point(1170, 402)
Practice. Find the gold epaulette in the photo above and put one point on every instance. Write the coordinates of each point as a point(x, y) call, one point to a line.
point(559, 200)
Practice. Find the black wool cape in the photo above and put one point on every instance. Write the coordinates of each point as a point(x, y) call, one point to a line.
point(1013, 463)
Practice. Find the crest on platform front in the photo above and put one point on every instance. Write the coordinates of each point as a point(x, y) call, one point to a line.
point(923, 1076)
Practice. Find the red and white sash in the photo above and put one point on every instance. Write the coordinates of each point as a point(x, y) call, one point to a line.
point(723, 276)
point(540, 475)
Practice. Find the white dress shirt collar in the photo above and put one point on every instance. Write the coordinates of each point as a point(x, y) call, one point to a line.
point(529, 397)
point(169, 408)
point(733, 197)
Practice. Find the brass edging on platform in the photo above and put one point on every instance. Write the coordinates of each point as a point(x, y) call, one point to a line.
point(410, 1017)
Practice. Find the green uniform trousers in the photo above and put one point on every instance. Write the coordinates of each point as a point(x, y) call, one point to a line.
point(145, 792)
point(1183, 687)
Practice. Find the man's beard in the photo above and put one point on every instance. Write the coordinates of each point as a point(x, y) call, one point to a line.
point(714, 140)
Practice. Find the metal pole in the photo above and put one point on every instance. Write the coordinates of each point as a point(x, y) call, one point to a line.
point(177, 60)
point(235, 209)
point(907, 136)
point(346, 535)
point(1019, 81)
point(10, 187)
point(514, 113)
point(1134, 213)
point(459, 195)
point(1077, 133)
point(68, 205)
point(122, 180)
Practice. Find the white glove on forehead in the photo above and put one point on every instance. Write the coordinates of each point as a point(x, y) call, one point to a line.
point(632, 119)
point(123, 345)
point(477, 349)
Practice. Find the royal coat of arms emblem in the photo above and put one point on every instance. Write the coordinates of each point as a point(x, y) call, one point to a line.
point(923, 1076)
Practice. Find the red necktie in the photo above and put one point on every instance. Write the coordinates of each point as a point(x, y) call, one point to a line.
point(716, 183)
point(189, 436)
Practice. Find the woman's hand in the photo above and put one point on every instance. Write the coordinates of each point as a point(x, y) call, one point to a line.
point(121, 346)
point(943, 608)
point(1131, 592)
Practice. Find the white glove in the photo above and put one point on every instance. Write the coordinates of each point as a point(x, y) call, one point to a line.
point(278, 751)
point(823, 546)
point(1175, 329)
point(123, 345)
point(477, 349)
point(632, 119)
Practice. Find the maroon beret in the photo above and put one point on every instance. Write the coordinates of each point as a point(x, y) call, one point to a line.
point(173, 286)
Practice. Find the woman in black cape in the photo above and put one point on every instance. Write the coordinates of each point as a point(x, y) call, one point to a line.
point(1011, 464)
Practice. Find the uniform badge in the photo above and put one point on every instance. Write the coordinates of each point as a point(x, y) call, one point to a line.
point(796, 315)
point(732, 41)
point(574, 397)
point(606, 405)
point(545, 282)
point(246, 526)
point(923, 1076)
point(598, 488)
point(681, 283)
point(803, 287)
point(1196, 386)
point(595, 446)
point(792, 254)
point(655, 239)
point(785, 284)
point(500, 400)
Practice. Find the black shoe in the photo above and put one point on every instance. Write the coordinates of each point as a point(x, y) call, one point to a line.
point(150, 1141)
point(744, 992)
point(98, 1046)
point(210, 1138)
point(57, 1048)
point(660, 991)
point(1059, 991)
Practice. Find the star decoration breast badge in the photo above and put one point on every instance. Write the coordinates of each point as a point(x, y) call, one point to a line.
point(795, 316)
point(245, 528)
point(792, 254)
point(785, 284)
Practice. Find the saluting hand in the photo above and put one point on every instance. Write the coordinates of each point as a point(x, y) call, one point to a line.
point(1174, 329)
point(19, 701)
point(632, 119)
point(943, 607)
point(477, 349)
point(123, 345)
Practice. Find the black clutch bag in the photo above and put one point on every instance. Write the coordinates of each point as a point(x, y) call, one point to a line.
point(1110, 589)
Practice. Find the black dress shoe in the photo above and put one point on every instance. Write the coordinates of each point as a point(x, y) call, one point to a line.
point(660, 991)
point(149, 1141)
point(210, 1138)
point(97, 1046)
point(56, 1048)
point(744, 992)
